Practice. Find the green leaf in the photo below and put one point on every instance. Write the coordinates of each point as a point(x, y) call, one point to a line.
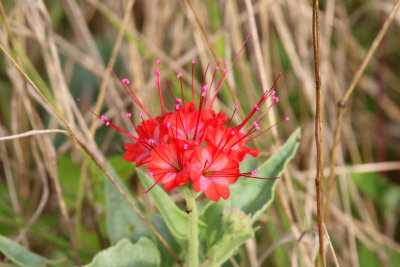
point(21, 256)
point(214, 15)
point(237, 229)
point(249, 165)
point(124, 254)
point(122, 221)
point(212, 216)
point(166, 257)
point(174, 217)
point(381, 190)
point(394, 257)
point(68, 175)
point(121, 167)
point(253, 196)
point(367, 258)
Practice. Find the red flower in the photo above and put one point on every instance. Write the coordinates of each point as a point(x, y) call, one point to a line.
point(212, 171)
point(168, 164)
point(195, 144)
point(150, 134)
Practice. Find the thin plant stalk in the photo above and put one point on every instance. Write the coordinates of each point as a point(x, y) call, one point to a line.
point(192, 257)
point(318, 125)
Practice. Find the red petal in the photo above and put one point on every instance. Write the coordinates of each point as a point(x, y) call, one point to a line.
point(217, 190)
point(136, 153)
point(215, 178)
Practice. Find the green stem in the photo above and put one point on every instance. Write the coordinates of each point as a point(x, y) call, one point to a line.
point(192, 259)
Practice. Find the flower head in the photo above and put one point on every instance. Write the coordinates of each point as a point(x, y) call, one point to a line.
point(192, 143)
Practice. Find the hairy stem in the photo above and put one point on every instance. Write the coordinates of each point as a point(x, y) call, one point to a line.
point(192, 259)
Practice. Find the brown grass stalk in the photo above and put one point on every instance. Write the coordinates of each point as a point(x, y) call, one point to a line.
point(318, 126)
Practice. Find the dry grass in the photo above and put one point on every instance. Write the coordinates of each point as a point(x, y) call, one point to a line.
point(66, 47)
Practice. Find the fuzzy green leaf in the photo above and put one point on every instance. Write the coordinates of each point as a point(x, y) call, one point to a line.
point(237, 229)
point(122, 221)
point(253, 196)
point(124, 253)
point(212, 216)
point(166, 258)
point(21, 256)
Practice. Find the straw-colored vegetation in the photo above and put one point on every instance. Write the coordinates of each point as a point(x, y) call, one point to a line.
point(55, 155)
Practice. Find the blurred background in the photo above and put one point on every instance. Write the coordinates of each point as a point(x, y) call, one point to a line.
point(51, 192)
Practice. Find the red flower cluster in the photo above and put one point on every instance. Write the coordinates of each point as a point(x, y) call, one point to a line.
point(194, 145)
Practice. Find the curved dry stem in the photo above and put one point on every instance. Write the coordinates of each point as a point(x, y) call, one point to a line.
point(32, 132)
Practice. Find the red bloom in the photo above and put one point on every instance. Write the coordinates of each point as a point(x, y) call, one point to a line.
point(168, 164)
point(150, 134)
point(212, 171)
point(196, 144)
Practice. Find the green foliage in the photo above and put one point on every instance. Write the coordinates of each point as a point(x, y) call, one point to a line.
point(124, 254)
point(253, 196)
point(366, 257)
point(212, 216)
point(215, 16)
point(68, 175)
point(175, 218)
point(394, 257)
point(122, 220)
point(162, 228)
point(7, 215)
point(237, 229)
point(21, 256)
point(378, 188)
point(121, 167)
